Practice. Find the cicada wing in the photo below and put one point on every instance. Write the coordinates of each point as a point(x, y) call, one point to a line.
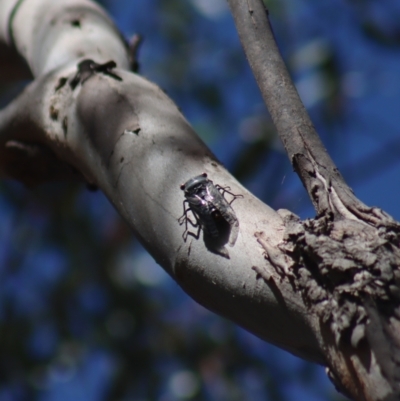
point(229, 216)
point(234, 235)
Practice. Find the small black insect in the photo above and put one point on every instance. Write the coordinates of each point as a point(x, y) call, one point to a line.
point(87, 68)
point(211, 210)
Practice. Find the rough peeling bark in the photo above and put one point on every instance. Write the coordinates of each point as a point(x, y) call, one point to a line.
point(344, 262)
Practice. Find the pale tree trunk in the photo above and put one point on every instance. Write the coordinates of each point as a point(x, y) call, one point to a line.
point(324, 289)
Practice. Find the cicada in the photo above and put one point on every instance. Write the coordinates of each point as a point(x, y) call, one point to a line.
point(213, 213)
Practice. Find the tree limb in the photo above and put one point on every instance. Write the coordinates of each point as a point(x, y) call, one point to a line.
point(329, 279)
point(324, 183)
point(124, 135)
point(346, 261)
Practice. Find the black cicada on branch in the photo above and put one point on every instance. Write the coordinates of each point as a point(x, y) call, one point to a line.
point(211, 210)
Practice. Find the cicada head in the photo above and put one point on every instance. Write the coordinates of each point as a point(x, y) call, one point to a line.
point(195, 184)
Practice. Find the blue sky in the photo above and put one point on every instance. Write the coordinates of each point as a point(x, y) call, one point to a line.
point(349, 81)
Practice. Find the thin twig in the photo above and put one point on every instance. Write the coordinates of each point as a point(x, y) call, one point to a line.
point(303, 146)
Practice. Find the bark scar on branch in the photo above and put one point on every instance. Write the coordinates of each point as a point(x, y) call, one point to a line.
point(349, 277)
point(348, 253)
point(251, 12)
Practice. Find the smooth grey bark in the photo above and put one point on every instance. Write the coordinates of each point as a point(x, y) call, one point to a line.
point(124, 135)
point(333, 281)
point(345, 262)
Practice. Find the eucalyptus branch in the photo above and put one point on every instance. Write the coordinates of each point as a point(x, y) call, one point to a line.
point(332, 280)
point(320, 176)
point(124, 135)
point(346, 261)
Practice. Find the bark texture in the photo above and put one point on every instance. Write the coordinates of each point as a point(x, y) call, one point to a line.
point(345, 262)
point(332, 280)
point(86, 116)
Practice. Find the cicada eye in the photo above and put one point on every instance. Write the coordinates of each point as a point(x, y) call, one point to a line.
point(204, 175)
point(182, 187)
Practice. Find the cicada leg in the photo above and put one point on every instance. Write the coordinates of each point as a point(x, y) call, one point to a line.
point(227, 189)
point(185, 219)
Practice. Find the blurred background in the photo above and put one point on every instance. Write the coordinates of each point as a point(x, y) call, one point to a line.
point(85, 312)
